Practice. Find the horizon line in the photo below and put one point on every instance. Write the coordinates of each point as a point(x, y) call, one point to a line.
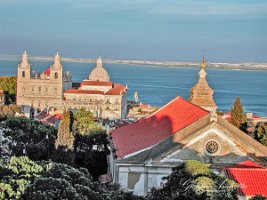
point(107, 60)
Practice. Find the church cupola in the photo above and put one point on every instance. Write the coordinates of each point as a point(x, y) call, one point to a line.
point(99, 73)
point(201, 94)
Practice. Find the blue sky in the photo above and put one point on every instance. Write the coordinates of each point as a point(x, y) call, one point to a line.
point(228, 31)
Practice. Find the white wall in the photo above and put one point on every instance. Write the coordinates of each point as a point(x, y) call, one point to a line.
point(142, 177)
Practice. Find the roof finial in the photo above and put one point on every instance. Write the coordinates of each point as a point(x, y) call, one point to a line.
point(99, 62)
point(203, 63)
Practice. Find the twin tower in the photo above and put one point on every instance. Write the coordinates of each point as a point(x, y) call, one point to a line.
point(35, 92)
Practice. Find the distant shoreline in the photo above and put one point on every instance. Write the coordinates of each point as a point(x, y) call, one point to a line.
point(215, 65)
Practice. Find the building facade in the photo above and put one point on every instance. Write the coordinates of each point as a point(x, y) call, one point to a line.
point(149, 148)
point(107, 100)
point(36, 92)
point(52, 89)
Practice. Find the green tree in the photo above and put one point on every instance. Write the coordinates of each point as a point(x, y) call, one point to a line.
point(237, 113)
point(9, 85)
point(91, 153)
point(261, 133)
point(193, 180)
point(64, 182)
point(84, 122)
point(15, 175)
point(64, 136)
point(21, 178)
point(258, 197)
point(28, 136)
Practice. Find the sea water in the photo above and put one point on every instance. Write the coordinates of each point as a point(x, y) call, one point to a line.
point(157, 85)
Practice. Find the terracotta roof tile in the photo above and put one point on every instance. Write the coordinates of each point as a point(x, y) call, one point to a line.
point(96, 83)
point(54, 118)
point(251, 177)
point(47, 72)
point(41, 115)
point(83, 91)
point(149, 131)
point(117, 89)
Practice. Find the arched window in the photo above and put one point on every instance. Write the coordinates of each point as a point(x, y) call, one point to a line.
point(56, 75)
point(23, 90)
point(23, 74)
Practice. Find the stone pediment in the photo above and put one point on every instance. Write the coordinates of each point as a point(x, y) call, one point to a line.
point(213, 143)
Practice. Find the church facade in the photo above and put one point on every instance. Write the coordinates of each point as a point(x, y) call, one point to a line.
point(107, 100)
point(36, 92)
point(181, 130)
point(52, 89)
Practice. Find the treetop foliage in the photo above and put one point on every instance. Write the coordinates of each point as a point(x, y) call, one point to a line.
point(23, 134)
point(197, 168)
point(64, 136)
point(237, 113)
point(84, 122)
point(49, 180)
point(15, 175)
point(187, 182)
point(261, 133)
point(9, 85)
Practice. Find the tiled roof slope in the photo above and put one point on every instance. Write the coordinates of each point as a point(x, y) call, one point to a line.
point(47, 72)
point(96, 83)
point(117, 89)
point(251, 177)
point(83, 91)
point(149, 131)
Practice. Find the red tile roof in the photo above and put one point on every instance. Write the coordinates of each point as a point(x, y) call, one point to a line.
point(96, 83)
point(149, 131)
point(83, 91)
point(251, 177)
point(41, 115)
point(47, 72)
point(117, 89)
point(54, 118)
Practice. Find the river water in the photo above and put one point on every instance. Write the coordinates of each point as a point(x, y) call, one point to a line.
point(157, 85)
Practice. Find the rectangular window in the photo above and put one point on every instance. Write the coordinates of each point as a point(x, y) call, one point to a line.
point(133, 179)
